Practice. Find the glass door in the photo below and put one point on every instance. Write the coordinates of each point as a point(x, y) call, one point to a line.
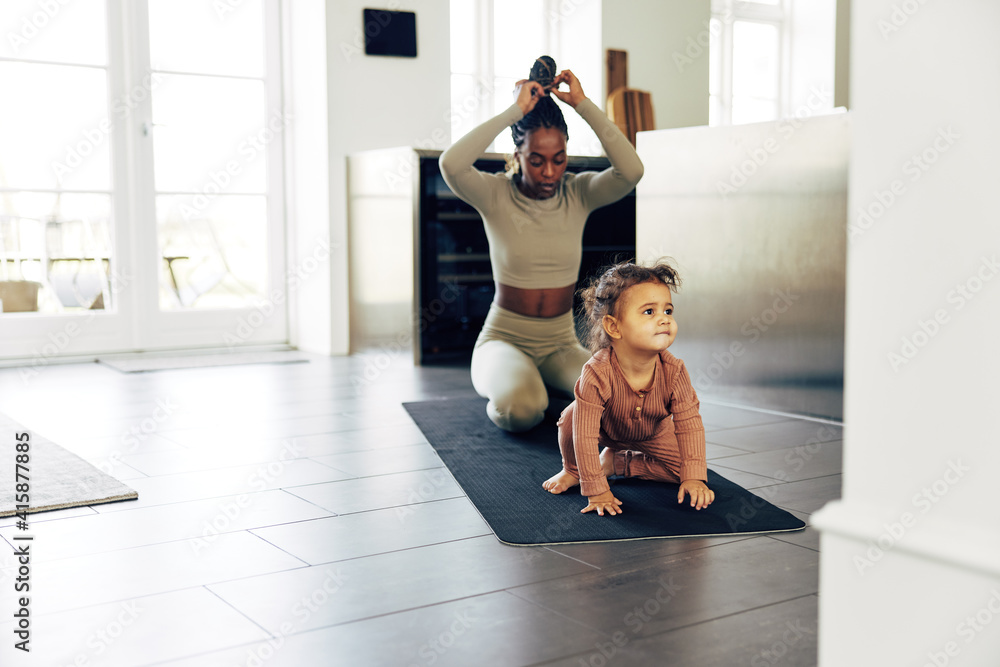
point(140, 177)
point(61, 280)
point(211, 151)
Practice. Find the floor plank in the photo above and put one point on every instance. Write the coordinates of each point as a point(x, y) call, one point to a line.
point(392, 582)
point(684, 588)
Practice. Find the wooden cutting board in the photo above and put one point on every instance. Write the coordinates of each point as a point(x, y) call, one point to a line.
point(632, 111)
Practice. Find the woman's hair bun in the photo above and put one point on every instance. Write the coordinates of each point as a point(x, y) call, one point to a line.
point(543, 71)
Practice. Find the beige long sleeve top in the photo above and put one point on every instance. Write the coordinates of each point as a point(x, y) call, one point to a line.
point(538, 243)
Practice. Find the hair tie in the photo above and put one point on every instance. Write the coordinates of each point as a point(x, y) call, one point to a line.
point(543, 71)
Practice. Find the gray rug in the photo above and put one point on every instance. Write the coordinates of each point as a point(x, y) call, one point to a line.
point(57, 478)
point(142, 363)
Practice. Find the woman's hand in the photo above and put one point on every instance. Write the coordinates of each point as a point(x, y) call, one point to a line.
point(605, 502)
point(527, 93)
point(575, 94)
point(701, 495)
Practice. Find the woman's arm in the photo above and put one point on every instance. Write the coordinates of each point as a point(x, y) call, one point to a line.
point(626, 169)
point(456, 163)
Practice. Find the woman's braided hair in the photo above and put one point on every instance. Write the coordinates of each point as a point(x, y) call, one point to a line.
point(601, 297)
point(546, 113)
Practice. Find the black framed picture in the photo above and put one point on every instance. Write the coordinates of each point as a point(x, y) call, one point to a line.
point(389, 33)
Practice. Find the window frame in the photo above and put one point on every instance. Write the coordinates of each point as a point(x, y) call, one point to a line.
point(727, 13)
point(136, 321)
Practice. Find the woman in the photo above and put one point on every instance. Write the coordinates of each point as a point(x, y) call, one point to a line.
point(534, 217)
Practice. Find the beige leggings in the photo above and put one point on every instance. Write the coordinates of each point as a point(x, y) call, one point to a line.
point(516, 357)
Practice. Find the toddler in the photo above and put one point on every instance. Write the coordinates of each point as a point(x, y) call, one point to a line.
point(633, 398)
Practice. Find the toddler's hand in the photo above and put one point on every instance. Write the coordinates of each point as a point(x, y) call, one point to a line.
point(603, 502)
point(701, 495)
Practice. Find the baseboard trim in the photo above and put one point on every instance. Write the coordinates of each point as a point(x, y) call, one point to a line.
point(965, 549)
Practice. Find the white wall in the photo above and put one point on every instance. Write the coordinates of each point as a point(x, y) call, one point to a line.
point(366, 102)
point(912, 552)
point(379, 102)
point(667, 44)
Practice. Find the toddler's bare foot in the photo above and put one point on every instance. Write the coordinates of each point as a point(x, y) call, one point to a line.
point(608, 461)
point(559, 482)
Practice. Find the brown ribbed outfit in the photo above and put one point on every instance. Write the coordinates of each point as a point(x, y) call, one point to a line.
point(656, 434)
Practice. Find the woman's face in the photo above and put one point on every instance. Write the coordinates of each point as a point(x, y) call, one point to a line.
point(542, 158)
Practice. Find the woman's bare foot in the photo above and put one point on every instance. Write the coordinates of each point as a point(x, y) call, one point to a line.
point(608, 461)
point(559, 482)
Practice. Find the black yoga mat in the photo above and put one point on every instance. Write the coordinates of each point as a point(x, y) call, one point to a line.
point(502, 473)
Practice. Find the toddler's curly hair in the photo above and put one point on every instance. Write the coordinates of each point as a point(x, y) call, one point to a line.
point(602, 295)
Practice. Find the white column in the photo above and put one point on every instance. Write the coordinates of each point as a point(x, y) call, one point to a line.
point(317, 249)
point(910, 565)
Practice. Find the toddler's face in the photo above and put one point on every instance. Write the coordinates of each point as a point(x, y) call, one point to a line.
point(646, 317)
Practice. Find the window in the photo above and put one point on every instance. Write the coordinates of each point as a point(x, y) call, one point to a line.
point(140, 169)
point(210, 129)
point(55, 157)
point(747, 55)
point(771, 59)
point(494, 42)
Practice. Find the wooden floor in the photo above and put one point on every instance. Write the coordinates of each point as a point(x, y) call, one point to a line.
point(294, 515)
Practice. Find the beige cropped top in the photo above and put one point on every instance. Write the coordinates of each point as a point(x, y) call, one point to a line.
point(537, 243)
